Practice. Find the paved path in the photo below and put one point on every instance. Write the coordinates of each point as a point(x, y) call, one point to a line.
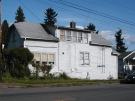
point(108, 92)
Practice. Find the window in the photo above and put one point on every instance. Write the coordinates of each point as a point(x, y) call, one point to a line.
point(84, 58)
point(62, 35)
point(69, 36)
point(44, 58)
point(85, 38)
point(79, 37)
point(74, 37)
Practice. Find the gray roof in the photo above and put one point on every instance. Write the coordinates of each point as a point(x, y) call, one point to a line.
point(99, 40)
point(33, 31)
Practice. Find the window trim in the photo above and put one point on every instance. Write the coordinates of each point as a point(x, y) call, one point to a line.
point(83, 59)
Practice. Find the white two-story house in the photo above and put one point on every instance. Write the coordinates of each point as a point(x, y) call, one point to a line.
point(77, 52)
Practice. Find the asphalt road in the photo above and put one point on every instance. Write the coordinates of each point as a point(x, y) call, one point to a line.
point(110, 92)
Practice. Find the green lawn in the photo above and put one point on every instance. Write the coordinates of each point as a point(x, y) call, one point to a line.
point(54, 82)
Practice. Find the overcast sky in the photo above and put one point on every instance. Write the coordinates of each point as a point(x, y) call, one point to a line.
point(122, 10)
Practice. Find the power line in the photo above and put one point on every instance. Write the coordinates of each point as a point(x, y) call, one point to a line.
point(30, 10)
point(71, 11)
point(88, 10)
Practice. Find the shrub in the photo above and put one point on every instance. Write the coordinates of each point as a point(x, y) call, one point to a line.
point(7, 76)
point(2, 68)
point(44, 69)
point(17, 61)
point(64, 76)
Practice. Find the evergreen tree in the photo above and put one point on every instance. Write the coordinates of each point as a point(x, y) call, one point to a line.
point(19, 15)
point(91, 27)
point(120, 45)
point(5, 34)
point(50, 17)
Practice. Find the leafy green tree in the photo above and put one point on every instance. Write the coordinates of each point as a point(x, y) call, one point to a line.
point(120, 45)
point(17, 64)
point(5, 34)
point(91, 27)
point(19, 15)
point(50, 17)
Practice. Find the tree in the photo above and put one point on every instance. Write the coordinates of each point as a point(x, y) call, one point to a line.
point(17, 64)
point(5, 34)
point(120, 45)
point(50, 17)
point(91, 27)
point(20, 15)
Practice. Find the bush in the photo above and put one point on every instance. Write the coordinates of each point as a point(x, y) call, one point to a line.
point(7, 76)
point(44, 69)
point(64, 76)
point(2, 68)
point(17, 61)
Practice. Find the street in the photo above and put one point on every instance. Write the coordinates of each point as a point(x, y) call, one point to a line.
point(106, 92)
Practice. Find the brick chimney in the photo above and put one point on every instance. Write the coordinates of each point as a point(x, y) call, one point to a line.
point(72, 24)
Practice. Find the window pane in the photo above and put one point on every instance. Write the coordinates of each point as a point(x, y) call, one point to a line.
point(37, 56)
point(81, 58)
point(86, 56)
point(44, 57)
point(85, 38)
point(74, 37)
point(81, 62)
point(62, 35)
point(80, 37)
point(69, 36)
point(50, 57)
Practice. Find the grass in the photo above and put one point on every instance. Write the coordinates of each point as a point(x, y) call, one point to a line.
point(38, 81)
point(54, 82)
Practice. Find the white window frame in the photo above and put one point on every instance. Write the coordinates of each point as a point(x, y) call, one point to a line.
point(83, 60)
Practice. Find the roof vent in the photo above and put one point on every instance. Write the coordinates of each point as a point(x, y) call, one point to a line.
point(72, 24)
